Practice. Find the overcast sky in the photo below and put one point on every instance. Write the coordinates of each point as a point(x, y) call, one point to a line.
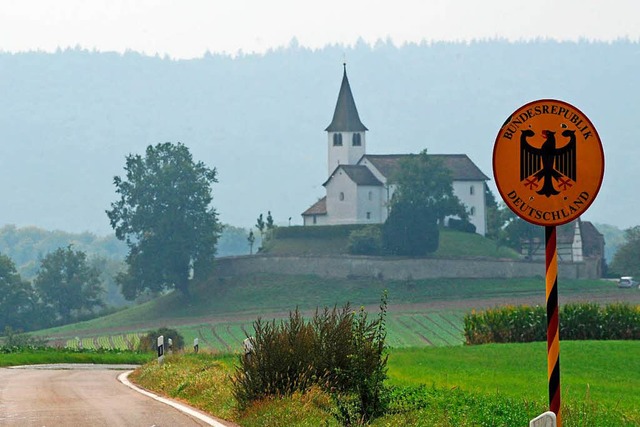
point(188, 28)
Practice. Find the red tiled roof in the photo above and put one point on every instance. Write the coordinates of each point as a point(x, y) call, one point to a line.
point(318, 208)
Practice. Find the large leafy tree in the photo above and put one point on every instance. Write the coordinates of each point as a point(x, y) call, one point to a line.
point(17, 298)
point(165, 216)
point(626, 261)
point(67, 284)
point(499, 218)
point(422, 198)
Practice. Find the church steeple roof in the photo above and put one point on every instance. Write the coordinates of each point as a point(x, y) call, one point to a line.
point(345, 116)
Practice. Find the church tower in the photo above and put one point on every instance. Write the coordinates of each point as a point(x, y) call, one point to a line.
point(346, 133)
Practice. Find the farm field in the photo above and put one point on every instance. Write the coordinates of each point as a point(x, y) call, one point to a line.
point(422, 313)
point(442, 328)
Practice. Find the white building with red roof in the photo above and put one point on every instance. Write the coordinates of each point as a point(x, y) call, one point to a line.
point(357, 189)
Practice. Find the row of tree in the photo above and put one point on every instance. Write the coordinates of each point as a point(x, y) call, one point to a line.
point(66, 288)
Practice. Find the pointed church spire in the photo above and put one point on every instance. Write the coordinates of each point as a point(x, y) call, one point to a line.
point(345, 116)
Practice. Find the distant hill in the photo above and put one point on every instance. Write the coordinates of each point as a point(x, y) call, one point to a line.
point(67, 120)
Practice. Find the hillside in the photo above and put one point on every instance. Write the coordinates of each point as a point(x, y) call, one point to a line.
point(421, 312)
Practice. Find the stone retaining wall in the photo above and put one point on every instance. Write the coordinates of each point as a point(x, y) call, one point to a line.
point(398, 268)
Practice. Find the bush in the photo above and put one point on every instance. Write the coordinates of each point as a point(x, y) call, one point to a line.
point(338, 350)
point(15, 339)
point(315, 232)
point(584, 321)
point(410, 231)
point(461, 225)
point(149, 342)
point(365, 241)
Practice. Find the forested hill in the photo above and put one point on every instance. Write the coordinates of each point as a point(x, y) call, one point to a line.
point(68, 119)
point(28, 245)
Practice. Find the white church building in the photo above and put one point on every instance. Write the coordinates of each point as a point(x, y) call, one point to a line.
point(357, 189)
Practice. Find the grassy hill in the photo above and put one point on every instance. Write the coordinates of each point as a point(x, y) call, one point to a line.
point(421, 312)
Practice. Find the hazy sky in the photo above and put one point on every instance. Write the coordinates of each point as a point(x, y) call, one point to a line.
point(188, 28)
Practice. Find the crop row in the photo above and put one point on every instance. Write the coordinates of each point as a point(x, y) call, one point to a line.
point(128, 341)
point(403, 330)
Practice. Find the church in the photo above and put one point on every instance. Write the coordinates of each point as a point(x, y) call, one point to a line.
point(356, 188)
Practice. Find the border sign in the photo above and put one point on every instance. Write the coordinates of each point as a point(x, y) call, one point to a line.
point(548, 162)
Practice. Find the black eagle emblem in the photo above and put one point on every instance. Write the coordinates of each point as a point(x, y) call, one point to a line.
point(548, 163)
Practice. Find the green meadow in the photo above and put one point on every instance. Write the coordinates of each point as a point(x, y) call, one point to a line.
point(488, 385)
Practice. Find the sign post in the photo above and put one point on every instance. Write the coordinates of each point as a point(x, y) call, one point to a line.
point(161, 349)
point(548, 164)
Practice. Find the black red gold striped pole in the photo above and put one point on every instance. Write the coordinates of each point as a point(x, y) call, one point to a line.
point(553, 324)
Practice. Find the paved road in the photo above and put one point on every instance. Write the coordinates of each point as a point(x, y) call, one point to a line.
point(79, 397)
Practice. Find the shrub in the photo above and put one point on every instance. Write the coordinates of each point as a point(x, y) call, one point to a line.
point(365, 241)
point(149, 342)
point(461, 225)
point(339, 350)
point(410, 231)
point(15, 339)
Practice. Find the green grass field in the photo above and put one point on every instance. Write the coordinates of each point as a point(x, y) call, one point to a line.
point(489, 385)
point(52, 355)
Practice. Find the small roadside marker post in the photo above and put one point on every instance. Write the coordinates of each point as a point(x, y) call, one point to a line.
point(548, 419)
point(548, 164)
point(160, 349)
point(195, 345)
point(170, 346)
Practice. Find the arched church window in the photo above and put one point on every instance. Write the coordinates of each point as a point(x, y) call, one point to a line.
point(471, 190)
point(341, 196)
point(356, 140)
point(472, 211)
point(370, 195)
point(337, 139)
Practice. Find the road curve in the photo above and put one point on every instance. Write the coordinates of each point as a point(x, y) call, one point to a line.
point(80, 397)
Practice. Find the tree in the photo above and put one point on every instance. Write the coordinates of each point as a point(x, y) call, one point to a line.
point(411, 229)
point(17, 298)
point(519, 232)
point(499, 216)
point(626, 261)
point(260, 225)
point(67, 284)
point(251, 239)
point(422, 198)
point(165, 216)
point(270, 224)
point(425, 181)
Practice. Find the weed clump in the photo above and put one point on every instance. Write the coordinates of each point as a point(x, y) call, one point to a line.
point(148, 342)
point(339, 350)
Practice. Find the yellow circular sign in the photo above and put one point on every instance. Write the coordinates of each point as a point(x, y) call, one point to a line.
point(548, 162)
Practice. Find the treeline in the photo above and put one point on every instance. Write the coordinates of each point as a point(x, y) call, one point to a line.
point(26, 246)
point(66, 288)
point(25, 251)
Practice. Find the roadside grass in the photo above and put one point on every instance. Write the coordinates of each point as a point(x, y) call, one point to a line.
point(48, 355)
point(491, 385)
point(606, 372)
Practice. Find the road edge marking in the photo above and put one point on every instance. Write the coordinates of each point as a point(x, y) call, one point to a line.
point(124, 379)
